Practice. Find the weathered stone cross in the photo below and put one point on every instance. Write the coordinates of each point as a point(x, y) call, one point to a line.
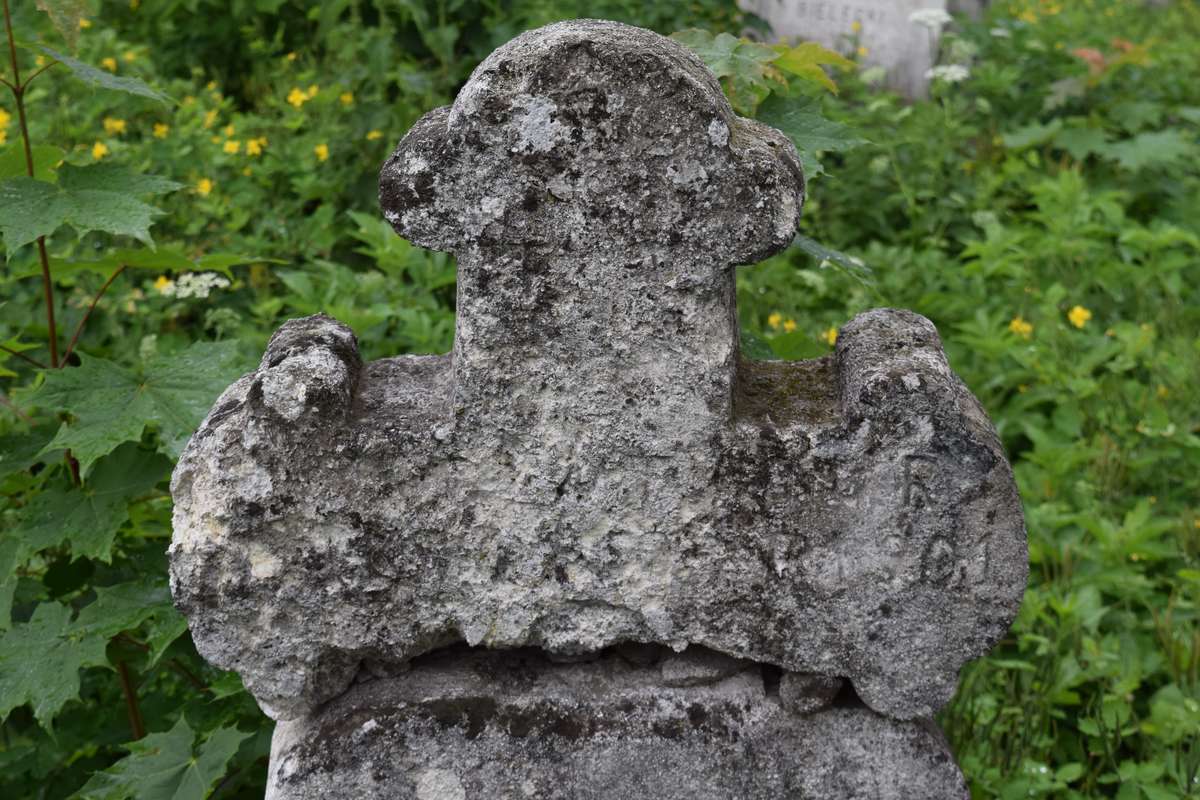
point(595, 463)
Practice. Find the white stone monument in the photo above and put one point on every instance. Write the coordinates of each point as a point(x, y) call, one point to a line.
point(906, 49)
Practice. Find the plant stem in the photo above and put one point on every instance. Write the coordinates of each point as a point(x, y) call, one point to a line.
point(131, 703)
point(23, 357)
point(88, 313)
point(18, 90)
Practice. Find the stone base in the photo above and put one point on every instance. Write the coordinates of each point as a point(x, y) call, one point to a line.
point(635, 723)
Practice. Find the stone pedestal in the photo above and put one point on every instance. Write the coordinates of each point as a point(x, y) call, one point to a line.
point(511, 724)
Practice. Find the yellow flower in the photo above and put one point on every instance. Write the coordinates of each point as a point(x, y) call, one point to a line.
point(163, 284)
point(99, 150)
point(290, 57)
point(109, 64)
point(775, 320)
point(1021, 328)
point(863, 52)
point(830, 336)
point(161, 130)
point(347, 98)
point(246, 171)
point(203, 187)
point(84, 24)
point(5, 118)
point(789, 325)
point(210, 85)
point(254, 147)
point(210, 117)
point(229, 130)
point(312, 91)
point(373, 135)
point(856, 26)
point(297, 97)
point(322, 151)
point(232, 146)
point(112, 126)
point(1079, 316)
point(129, 56)
point(40, 61)
point(1163, 392)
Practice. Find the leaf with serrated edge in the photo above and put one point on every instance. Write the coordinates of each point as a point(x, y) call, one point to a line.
point(96, 197)
point(112, 404)
point(65, 14)
point(801, 120)
point(166, 766)
point(90, 516)
point(106, 80)
point(40, 662)
point(805, 61)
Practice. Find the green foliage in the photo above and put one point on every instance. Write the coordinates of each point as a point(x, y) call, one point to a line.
point(111, 404)
point(97, 197)
point(40, 662)
point(166, 766)
point(1043, 213)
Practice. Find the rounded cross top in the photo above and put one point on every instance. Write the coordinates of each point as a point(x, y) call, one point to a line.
point(590, 136)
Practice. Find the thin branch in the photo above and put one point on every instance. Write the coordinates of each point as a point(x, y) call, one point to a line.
point(173, 663)
point(12, 88)
point(88, 313)
point(19, 96)
point(23, 357)
point(131, 703)
point(37, 72)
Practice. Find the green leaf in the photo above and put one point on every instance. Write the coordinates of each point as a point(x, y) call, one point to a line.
point(40, 662)
point(828, 257)
point(46, 159)
point(11, 555)
point(166, 766)
point(806, 59)
point(105, 79)
point(801, 120)
point(91, 515)
point(744, 66)
point(65, 14)
point(1154, 149)
point(122, 607)
point(28, 209)
point(1032, 135)
point(114, 404)
point(93, 197)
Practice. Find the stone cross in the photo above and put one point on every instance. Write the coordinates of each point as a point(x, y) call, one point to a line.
point(596, 475)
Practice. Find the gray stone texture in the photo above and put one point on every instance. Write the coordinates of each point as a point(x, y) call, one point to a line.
point(484, 725)
point(595, 463)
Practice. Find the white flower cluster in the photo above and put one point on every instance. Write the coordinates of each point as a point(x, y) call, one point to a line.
point(950, 73)
point(933, 18)
point(194, 284)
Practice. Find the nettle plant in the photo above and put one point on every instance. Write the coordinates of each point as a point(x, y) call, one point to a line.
point(84, 511)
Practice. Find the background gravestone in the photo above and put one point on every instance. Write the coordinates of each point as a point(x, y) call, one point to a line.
point(763, 575)
point(904, 48)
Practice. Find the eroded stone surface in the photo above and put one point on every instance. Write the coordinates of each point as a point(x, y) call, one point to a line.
point(594, 463)
point(477, 726)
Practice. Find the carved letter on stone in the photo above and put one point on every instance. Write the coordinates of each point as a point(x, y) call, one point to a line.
point(593, 467)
